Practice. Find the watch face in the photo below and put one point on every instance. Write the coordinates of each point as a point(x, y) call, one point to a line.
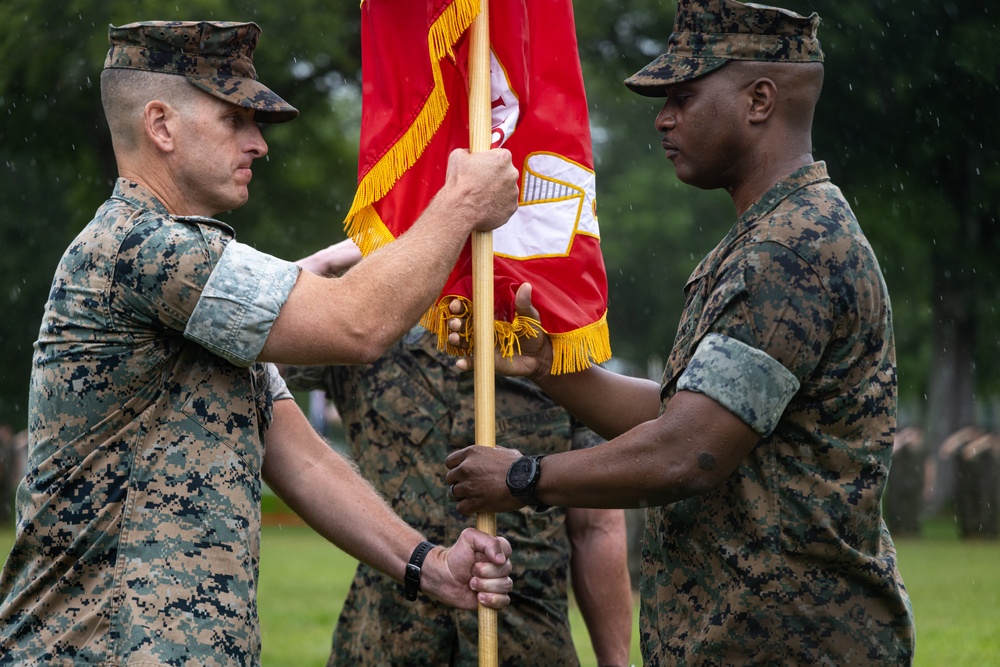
point(520, 473)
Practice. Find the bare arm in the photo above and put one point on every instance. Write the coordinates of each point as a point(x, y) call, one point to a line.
point(599, 567)
point(327, 492)
point(607, 403)
point(332, 320)
point(688, 450)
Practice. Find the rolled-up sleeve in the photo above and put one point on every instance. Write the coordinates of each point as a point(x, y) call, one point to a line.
point(240, 303)
point(746, 381)
point(276, 384)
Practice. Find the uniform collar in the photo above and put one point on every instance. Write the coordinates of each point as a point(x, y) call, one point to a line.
point(798, 179)
point(141, 197)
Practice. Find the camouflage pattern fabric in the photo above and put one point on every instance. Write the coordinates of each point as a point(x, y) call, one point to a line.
point(707, 34)
point(788, 561)
point(138, 520)
point(214, 56)
point(746, 381)
point(402, 416)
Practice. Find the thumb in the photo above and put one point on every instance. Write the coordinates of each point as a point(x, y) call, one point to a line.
point(522, 302)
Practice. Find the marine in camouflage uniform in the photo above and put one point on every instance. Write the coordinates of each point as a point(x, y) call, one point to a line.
point(788, 324)
point(139, 518)
point(787, 327)
point(792, 305)
point(402, 416)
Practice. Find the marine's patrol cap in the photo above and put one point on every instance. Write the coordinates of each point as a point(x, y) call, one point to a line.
point(710, 33)
point(214, 56)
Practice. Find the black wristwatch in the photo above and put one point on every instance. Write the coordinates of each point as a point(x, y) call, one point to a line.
point(411, 580)
point(522, 477)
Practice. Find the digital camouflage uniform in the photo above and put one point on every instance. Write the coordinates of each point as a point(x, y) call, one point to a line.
point(787, 323)
point(138, 520)
point(402, 416)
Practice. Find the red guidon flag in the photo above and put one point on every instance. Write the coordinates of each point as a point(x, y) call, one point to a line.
point(415, 112)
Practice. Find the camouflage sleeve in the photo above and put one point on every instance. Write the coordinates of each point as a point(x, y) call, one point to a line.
point(276, 384)
point(790, 311)
point(782, 307)
point(240, 302)
point(160, 270)
point(583, 437)
point(773, 327)
point(306, 378)
point(744, 380)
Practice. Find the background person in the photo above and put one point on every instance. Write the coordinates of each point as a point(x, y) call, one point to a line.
point(402, 416)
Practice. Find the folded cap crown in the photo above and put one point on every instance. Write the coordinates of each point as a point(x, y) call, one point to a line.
point(214, 56)
point(707, 34)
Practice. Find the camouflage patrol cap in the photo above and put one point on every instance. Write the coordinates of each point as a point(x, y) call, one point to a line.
point(217, 57)
point(710, 33)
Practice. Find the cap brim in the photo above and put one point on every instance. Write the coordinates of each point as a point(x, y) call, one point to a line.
point(668, 69)
point(249, 94)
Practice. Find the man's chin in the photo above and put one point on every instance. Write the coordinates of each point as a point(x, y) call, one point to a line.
point(229, 204)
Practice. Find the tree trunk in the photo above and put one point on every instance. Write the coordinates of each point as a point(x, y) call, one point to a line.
point(951, 394)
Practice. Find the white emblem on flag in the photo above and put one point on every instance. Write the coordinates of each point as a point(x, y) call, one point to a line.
point(558, 201)
point(505, 108)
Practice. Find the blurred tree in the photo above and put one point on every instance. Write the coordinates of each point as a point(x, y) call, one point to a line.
point(906, 125)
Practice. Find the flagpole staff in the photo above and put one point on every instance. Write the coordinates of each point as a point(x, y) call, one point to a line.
point(480, 131)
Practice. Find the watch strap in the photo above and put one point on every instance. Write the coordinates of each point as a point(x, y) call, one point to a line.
point(527, 495)
point(411, 579)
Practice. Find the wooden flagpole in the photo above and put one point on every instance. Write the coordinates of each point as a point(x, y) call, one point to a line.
point(480, 131)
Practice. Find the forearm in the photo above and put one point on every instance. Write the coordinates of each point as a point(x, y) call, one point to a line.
point(324, 490)
point(608, 403)
point(685, 452)
point(601, 583)
point(356, 317)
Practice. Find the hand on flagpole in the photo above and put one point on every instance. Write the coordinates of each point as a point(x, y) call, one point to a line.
point(532, 355)
point(478, 479)
point(474, 570)
point(486, 182)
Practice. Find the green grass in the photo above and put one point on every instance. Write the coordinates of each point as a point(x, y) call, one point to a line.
point(955, 590)
point(954, 586)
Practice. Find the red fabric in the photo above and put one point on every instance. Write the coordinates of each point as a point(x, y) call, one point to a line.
point(534, 41)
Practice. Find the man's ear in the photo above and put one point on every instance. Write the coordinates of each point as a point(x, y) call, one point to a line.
point(157, 119)
point(763, 96)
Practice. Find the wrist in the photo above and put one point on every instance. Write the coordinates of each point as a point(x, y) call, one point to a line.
point(522, 480)
point(413, 579)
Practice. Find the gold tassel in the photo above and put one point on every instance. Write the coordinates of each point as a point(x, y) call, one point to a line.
point(572, 351)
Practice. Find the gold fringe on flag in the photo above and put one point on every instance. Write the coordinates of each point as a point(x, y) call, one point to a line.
point(572, 351)
point(362, 223)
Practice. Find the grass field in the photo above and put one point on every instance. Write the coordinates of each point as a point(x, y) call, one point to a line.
point(954, 586)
